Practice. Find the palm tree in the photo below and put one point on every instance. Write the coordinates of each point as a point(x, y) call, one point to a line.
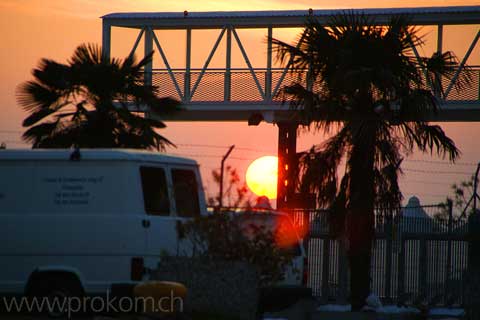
point(84, 103)
point(363, 85)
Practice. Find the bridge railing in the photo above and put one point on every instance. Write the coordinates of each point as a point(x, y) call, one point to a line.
point(260, 86)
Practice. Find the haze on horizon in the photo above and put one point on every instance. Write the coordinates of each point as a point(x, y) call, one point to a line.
point(34, 29)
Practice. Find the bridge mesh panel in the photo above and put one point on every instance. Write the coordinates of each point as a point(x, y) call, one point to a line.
point(276, 77)
point(165, 85)
point(470, 93)
point(210, 87)
point(244, 88)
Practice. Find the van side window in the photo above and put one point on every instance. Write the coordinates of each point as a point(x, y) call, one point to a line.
point(186, 193)
point(155, 191)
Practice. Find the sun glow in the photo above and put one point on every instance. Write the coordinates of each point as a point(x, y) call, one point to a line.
point(261, 176)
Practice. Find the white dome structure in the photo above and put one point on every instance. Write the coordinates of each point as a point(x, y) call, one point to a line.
point(414, 209)
point(414, 218)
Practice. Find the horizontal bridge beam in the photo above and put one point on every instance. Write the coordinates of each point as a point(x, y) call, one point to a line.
point(275, 112)
point(282, 19)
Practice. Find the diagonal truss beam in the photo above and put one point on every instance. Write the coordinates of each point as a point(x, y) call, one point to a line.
point(247, 61)
point(285, 70)
point(462, 64)
point(167, 65)
point(207, 62)
point(137, 41)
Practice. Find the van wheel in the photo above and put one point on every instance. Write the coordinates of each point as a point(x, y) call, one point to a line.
point(56, 290)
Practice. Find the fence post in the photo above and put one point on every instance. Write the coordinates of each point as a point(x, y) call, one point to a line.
point(423, 267)
point(388, 262)
point(401, 271)
point(326, 269)
point(448, 266)
point(306, 218)
point(342, 272)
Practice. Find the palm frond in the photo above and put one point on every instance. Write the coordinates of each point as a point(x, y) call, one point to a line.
point(34, 96)
point(142, 63)
point(92, 85)
point(318, 168)
point(445, 65)
point(88, 54)
point(416, 105)
point(433, 138)
point(54, 75)
point(38, 133)
point(40, 114)
point(388, 196)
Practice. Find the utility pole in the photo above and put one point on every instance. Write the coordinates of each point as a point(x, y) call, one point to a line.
point(475, 185)
point(473, 199)
point(220, 196)
point(287, 163)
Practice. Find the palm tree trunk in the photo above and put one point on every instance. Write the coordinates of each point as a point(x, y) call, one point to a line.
point(360, 216)
point(472, 303)
point(359, 259)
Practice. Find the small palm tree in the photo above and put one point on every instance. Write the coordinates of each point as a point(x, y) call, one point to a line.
point(362, 84)
point(84, 103)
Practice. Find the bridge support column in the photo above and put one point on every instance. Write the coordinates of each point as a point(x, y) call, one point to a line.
point(287, 163)
point(106, 38)
point(148, 48)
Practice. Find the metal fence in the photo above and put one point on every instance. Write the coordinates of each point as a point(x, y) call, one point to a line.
point(415, 257)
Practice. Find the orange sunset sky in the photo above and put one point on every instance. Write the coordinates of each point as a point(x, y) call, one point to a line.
point(33, 29)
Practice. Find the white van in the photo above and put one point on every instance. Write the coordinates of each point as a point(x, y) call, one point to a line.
point(78, 222)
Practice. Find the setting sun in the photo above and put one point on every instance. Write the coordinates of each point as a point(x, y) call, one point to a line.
point(261, 176)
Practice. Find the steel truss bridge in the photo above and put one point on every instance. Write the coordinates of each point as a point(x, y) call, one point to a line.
point(232, 94)
point(226, 94)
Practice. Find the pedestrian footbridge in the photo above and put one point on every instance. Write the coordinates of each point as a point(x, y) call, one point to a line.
point(238, 94)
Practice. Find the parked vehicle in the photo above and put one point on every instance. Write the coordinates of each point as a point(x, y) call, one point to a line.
point(286, 237)
point(90, 222)
point(293, 288)
point(78, 222)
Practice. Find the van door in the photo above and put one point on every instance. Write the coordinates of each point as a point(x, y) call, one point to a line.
point(159, 222)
